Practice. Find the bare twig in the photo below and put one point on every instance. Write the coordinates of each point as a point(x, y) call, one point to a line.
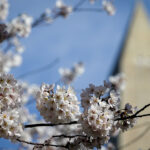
point(81, 2)
point(41, 144)
point(89, 10)
point(67, 136)
point(142, 109)
point(48, 124)
point(136, 114)
point(34, 71)
point(132, 116)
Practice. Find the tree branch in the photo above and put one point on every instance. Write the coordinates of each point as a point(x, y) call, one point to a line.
point(67, 136)
point(142, 109)
point(136, 114)
point(48, 124)
point(41, 144)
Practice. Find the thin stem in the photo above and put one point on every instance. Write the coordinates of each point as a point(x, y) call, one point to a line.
point(48, 124)
point(136, 114)
point(142, 109)
point(89, 9)
point(67, 136)
point(78, 4)
point(40, 144)
point(132, 116)
point(34, 71)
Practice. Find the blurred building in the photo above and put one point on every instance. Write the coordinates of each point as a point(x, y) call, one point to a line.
point(135, 63)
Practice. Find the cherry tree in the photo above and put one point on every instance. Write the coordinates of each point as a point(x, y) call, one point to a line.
point(76, 123)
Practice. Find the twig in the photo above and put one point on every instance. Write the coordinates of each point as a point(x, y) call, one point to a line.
point(67, 136)
point(48, 124)
point(34, 71)
point(142, 109)
point(132, 116)
point(78, 4)
point(40, 144)
point(89, 9)
point(136, 114)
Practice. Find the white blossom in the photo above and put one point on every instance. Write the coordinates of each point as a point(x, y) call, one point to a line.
point(9, 60)
point(29, 92)
point(118, 81)
point(97, 121)
point(20, 25)
point(63, 9)
point(16, 43)
point(69, 75)
point(4, 6)
point(10, 92)
point(10, 125)
point(109, 7)
point(91, 95)
point(126, 124)
point(61, 106)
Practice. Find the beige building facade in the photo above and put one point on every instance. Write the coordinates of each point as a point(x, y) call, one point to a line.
point(135, 63)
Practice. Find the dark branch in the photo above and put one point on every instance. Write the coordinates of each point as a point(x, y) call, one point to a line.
point(142, 109)
point(48, 124)
point(41, 144)
point(132, 116)
point(67, 136)
point(136, 114)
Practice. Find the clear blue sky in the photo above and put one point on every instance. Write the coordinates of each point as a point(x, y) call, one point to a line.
point(94, 38)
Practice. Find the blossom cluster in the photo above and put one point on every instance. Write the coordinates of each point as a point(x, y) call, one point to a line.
point(98, 121)
point(61, 106)
point(20, 25)
point(10, 125)
point(4, 6)
point(128, 110)
point(10, 100)
point(69, 75)
point(100, 104)
point(62, 9)
point(108, 7)
point(9, 60)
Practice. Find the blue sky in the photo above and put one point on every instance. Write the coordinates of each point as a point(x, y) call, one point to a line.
point(94, 38)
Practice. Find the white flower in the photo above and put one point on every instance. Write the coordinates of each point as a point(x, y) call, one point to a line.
point(69, 75)
point(16, 43)
point(21, 25)
point(4, 6)
point(10, 125)
point(114, 99)
point(9, 60)
point(108, 7)
point(92, 95)
point(10, 92)
point(118, 81)
point(126, 124)
point(29, 92)
point(97, 121)
point(63, 9)
point(61, 106)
